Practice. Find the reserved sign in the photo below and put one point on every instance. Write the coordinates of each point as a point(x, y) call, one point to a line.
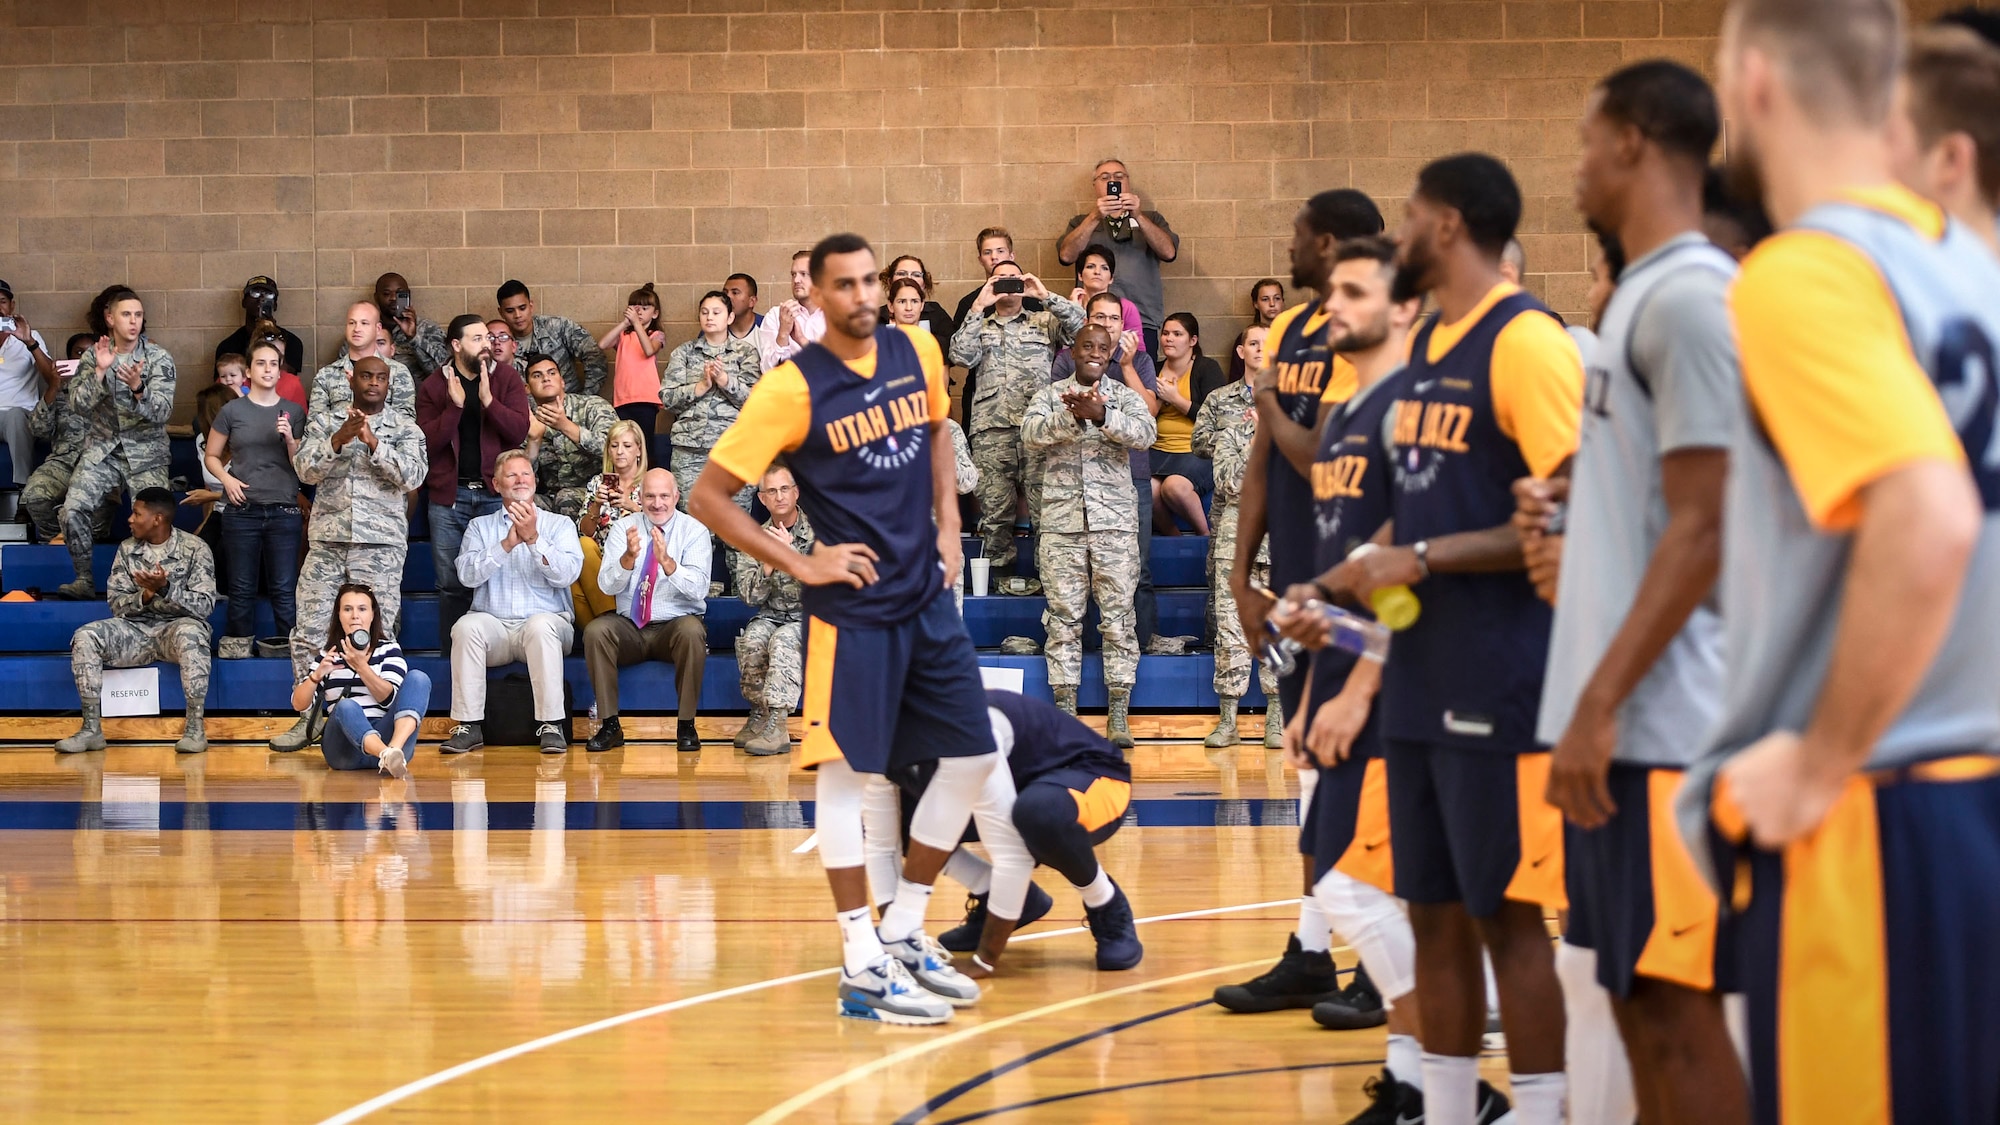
point(130, 691)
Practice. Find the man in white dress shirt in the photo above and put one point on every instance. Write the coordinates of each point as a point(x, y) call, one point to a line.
point(791, 325)
point(656, 563)
point(519, 563)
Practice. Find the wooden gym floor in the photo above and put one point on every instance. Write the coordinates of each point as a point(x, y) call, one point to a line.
point(245, 936)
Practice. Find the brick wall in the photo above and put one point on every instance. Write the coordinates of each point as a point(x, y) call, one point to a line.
point(586, 146)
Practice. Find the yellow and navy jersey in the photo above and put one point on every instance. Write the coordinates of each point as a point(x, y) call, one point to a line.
point(1309, 374)
point(857, 437)
point(1486, 400)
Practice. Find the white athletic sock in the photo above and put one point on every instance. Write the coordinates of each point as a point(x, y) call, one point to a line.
point(1315, 932)
point(1538, 1098)
point(1406, 1060)
point(859, 947)
point(969, 871)
point(1600, 1076)
point(905, 916)
point(1098, 892)
point(1451, 1089)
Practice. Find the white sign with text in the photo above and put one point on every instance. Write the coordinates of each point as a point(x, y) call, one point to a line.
point(130, 691)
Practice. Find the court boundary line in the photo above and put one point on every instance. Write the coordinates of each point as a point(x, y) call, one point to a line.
point(472, 1066)
point(875, 1066)
point(1073, 1095)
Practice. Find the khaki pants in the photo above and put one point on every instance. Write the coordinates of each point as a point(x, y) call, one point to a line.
point(480, 641)
point(612, 641)
point(590, 602)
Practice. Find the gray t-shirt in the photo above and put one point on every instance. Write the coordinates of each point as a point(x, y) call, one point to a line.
point(257, 455)
point(1664, 379)
point(1137, 276)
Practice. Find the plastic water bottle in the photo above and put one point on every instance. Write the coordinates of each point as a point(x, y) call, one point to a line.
point(1351, 633)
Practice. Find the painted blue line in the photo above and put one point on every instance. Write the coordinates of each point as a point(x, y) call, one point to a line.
point(1076, 1094)
point(575, 816)
point(978, 1080)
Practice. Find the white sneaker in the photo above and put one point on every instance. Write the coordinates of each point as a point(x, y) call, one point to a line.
point(929, 964)
point(393, 762)
point(884, 992)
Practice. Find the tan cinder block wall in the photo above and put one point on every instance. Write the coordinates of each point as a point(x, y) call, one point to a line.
point(587, 146)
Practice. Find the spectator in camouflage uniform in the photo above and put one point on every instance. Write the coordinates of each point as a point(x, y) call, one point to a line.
point(965, 477)
point(56, 422)
point(705, 385)
point(1090, 523)
point(770, 650)
point(125, 386)
point(366, 463)
point(331, 392)
point(565, 436)
point(162, 590)
point(558, 337)
point(1223, 431)
point(420, 344)
point(1012, 349)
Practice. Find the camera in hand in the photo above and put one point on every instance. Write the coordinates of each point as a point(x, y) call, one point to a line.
point(1005, 285)
point(358, 638)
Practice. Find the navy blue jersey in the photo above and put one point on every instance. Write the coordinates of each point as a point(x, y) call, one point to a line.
point(1047, 739)
point(1308, 374)
point(1469, 672)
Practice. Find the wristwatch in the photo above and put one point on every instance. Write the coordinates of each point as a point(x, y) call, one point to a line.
point(1422, 549)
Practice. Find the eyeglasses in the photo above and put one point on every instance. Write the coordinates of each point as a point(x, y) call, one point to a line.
point(781, 490)
point(501, 338)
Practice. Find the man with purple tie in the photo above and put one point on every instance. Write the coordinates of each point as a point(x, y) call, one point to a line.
point(655, 564)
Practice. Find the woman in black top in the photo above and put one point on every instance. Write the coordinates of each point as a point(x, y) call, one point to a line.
point(1182, 482)
point(933, 317)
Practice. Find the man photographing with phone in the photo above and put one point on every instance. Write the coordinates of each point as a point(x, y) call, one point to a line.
point(1141, 239)
point(26, 374)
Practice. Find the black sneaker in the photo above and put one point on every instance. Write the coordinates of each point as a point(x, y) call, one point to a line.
point(552, 738)
point(1117, 935)
point(1386, 1097)
point(1356, 1007)
point(964, 937)
point(1492, 1106)
point(609, 735)
point(464, 738)
point(1298, 980)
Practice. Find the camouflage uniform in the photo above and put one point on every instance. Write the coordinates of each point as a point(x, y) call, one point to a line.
point(1090, 527)
point(127, 443)
point(770, 649)
point(1013, 358)
point(575, 351)
point(700, 419)
point(332, 390)
point(420, 352)
point(562, 466)
point(360, 524)
point(57, 422)
point(1223, 431)
point(965, 473)
point(173, 626)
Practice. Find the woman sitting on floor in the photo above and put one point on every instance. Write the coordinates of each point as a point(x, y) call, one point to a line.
point(374, 700)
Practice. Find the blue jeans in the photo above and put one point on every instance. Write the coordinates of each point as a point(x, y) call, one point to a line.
point(348, 726)
point(261, 539)
point(447, 532)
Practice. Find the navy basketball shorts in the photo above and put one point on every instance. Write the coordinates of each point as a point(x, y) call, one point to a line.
point(894, 695)
point(1472, 827)
point(1635, 895)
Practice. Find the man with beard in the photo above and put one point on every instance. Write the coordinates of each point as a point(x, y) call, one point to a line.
point(1635, 656)
point(469, 410)
point(1853, 764)
point(1300, 373)
point(892, 679)
point(1493, 393)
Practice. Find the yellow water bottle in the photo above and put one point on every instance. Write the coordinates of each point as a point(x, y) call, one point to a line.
point(1395, 607)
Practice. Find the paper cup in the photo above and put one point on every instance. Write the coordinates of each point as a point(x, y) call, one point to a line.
point(982, 571)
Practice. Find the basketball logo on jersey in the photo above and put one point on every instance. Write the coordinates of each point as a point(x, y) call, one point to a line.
point(1424, 434)
point(1301, 384)
point(888, 435)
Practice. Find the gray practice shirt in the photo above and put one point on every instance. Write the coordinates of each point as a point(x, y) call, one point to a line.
point(257, 455)
point(1664, 379)
point(1137, 278)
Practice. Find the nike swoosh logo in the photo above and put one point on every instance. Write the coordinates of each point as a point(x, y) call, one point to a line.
point(1370, 847)
point(877, 993)
point(871, 396)
point(1685, 930)
point(1426, 385)
point(1537, 863)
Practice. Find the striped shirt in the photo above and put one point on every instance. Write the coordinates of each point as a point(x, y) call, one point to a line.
point(342, 682)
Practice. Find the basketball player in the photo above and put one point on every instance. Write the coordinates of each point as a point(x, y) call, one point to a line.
point(1492, 393)
point(891, 675)
point(1850, 793)
point(1336, 730)
point(1635, 657)
point(1064, 791)
point(1300, 373)
point(1945, 133)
